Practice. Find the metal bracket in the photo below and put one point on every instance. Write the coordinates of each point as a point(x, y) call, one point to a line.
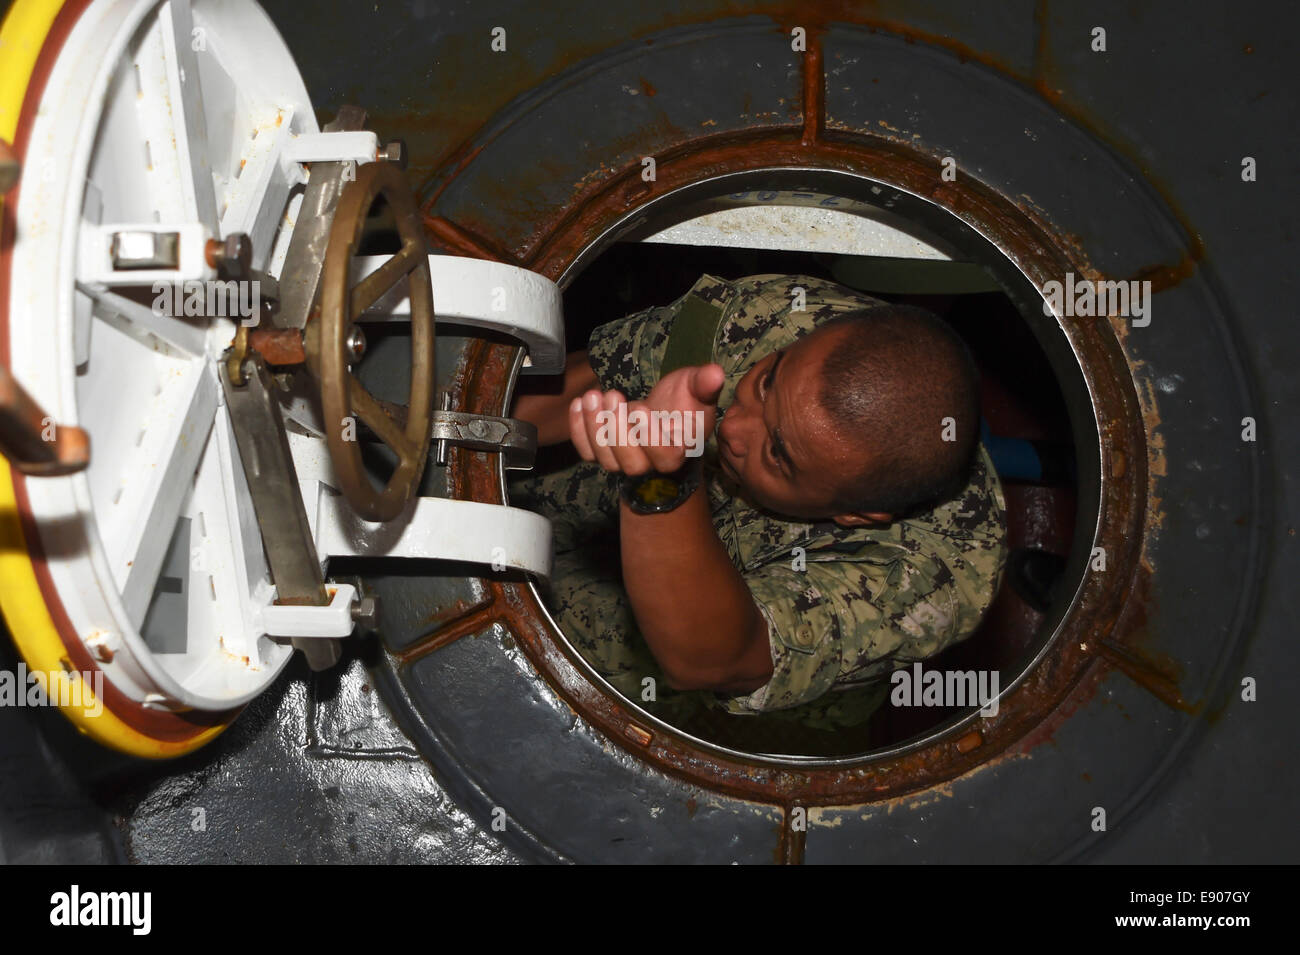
point(34, 444)
point(277, 502)
point(359, 146)
point(482, 294)
point(142, 254)
point(439, 528)
point(300, 275)
point(516, 439)
point(309, 622)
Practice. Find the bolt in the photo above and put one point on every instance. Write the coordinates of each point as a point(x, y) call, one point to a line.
point(440, 448)
point(365, 613)
point(355, 344)
point(394, 152)
point(232, 256)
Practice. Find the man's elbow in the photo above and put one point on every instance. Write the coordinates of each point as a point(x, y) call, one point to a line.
point(732, 682)
point(743, 674)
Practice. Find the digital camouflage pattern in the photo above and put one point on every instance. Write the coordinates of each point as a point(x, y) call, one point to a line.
point(844, 606)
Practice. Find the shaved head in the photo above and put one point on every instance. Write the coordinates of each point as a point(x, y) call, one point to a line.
point(902, 385)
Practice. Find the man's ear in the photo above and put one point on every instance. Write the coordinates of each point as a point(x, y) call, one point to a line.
point(863, 518)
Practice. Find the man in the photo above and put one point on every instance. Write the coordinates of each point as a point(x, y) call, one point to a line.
point(847, 520)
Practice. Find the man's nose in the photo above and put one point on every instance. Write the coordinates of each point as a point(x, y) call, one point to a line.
point(731, 431)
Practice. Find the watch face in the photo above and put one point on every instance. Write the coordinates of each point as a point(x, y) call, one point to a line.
point(656, 492)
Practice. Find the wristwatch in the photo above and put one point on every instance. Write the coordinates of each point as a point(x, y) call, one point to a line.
point(657, 493)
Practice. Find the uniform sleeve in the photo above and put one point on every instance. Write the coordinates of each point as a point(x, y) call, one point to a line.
point(627, 353)
point(847, 622)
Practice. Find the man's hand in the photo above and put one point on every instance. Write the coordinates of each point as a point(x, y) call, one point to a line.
point(709, 634)
point(537, 403)
point(690, 391)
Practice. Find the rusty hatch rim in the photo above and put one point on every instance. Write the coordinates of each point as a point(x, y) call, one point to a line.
point(1105, 613)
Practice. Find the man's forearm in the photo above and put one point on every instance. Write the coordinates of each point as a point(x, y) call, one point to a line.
point(550, 412)
point(691, 603)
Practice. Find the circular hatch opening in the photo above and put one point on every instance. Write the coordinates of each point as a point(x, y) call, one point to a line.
point(1035, 401)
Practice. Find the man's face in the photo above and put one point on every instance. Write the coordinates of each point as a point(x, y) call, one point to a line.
point(778, 444)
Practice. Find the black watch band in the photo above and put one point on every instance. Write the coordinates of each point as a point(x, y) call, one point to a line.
point(657, 493)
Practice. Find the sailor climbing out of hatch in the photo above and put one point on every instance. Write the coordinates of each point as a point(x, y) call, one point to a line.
point(843, 520)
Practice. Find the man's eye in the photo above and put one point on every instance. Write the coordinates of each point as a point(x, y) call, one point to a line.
point(767, 380)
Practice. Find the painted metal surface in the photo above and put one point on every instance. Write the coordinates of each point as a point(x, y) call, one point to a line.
point(1217, 541)
point(804, 228)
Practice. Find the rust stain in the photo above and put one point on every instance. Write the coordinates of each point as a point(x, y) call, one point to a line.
point(279, 346)
point(1163, 277)
point(1042, 65)
point(461, 240)
point(814, 89)
point(455, 165)
point(790, 842)
point(460, 620)
point(456, 612)
point(1157, 674)
point(638, 734)
point(1118, 464)
point(815, 19)
point(434, 130)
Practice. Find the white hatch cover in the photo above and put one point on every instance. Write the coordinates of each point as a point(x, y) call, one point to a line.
point(162, 186)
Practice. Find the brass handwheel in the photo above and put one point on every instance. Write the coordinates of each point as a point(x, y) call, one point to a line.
point(343, 397)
